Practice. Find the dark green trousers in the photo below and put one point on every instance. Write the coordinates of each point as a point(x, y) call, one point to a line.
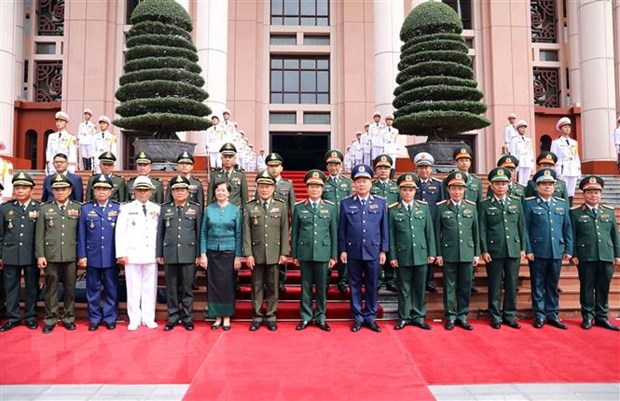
point(456, 289)
point(313, 274)
point(594, 279)
point(411, 282)
point(12, 275)
point(264, 286)
point(389, 274)
point(53, 272)
point(503, 272)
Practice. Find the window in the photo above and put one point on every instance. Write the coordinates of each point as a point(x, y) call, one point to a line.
point(51, 18)
point(297, 80)
point(46, 48)
point(463, 9)
point(316, 40)
point(300, 12)
point(282, 118)
point(317, 118)
point(544, 19)
point(546, 87)
point(283, 40)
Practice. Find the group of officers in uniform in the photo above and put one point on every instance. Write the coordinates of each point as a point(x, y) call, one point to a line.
point(371, 229)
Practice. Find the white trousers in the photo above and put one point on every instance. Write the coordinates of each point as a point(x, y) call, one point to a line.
point(571, 183)
point(141, 292)
point(215, 159)
point(524, 175)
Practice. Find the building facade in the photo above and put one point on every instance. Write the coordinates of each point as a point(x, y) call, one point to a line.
point(301, 76)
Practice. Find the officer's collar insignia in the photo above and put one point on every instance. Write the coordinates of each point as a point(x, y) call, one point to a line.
point(361, 169)
point(592, 180)
point(458, 175)
point(315, 174)
point(547, 172)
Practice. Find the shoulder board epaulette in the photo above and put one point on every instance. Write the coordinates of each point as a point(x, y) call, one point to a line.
point(559, 199)
point(154, 178)
point(47, 203)
point(191, 202)
point(515, 197)
point(278, 200)
point(74, 201)
point(436, 179)
point(442, 202)
point(607, 207)
point(300, 201)
point(530, 198)
point(470, 202)
point(131, 179)
point(328, 202)
point(250, 200)
point(423, 202)
point(285, 179)
point(392, 204)
point(576, 207)
point(113, 201)
point(345, 177)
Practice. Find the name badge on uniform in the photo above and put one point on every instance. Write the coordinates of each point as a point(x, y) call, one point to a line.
point(374, 206)
point(275, 210)
point(324, 211)
point(191, 212)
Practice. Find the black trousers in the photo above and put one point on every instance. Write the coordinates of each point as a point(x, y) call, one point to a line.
point(179, 280)
point(11, 288)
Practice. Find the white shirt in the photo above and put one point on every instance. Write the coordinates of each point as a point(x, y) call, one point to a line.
point(566, 149)
point(136, 234)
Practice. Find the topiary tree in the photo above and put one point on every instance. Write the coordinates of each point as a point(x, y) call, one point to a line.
point(161, 89)
point(437, 94)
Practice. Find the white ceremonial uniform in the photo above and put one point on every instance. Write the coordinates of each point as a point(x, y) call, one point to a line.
point(103, 142)
point(61, 142)
point(616, 136)
point(521, 147)
point(509, 133)
point(376, 139)
point(348, 158)
point(365, 141)
point(136, 236)
point(260, 162)
point(568, 166)
point(214, 142)
point(390, 143)
point(230, 132)
point(86, 131)
point(6, 179)
point(357, 153)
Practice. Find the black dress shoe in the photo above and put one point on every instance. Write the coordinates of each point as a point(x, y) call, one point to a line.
point(496, 324)
point(448, 325)
point(421, 324)
point(586, 324)
point(342, 287)
point(226, 327)
point(32, 324)
point(539, 323)
point(9, 325)
point(401, 325)
point(558, 324)
point(604, 323)
point(356, 327)
point(272, 326)
point(170, 325)
point(48, 328)
point(93, 326)
point(512, 323)
point(430, 287)
point(302, 325)
point(69, 326)
point(189, 326)
point(110, 326)
point(464, 324)
point(323, 326)
point(374, 327)
point(391, 287)
point(255, 325)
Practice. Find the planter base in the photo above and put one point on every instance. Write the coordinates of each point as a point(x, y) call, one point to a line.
point(441, 152)
point(164, 152)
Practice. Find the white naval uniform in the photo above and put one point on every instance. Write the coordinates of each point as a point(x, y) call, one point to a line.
point(215, 135)
point(616, 137)
point(390, 143)
point(509, 133)
point(365, 142)
point(103, 142)
point(376, 140)
point(521, 147)
point(6, 179)
point(86, 131)
point(136, 236)
point(61, 142)
point(568, 166)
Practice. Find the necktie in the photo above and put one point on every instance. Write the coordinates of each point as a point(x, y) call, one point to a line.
point(179, 210)
point(24, 207)
point(501, 202)
point(227, 176)
point(567, 141)
point(102, 135)
point(265, 204)
point(144, 209)
point(408, 208)
point(62, 209)
point(363, 202)
point(594, 211)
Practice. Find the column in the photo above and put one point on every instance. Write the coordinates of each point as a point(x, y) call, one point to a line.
point(388, 19)
point(11, 56)
point(616, 21)
point(211, 33)
point(573, 56)
point(598, 100)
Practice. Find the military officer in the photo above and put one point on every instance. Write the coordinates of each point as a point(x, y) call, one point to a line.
point(143, 167)
point(337, 187)
point(363, 244)
point(412, 248)
point(390, 139)
point(178, 249)
point(375, 132)
point(314, 247)
point(6, 177)
point(597, 249)
point(17, 231)
point(60, 165)
point(119, 187)
point(502, 243)
point(462, 157)
point(55, 249)
point(236, 178)
point(85, 134)
point(509, 130)
point(550, 239)
point(387, 189)
point(457, 239)
point(63, 142)
point(265, 245)
point(96, 253)
point(431, 191)
point(185, 165)
point(568, 167)
point(547, 160)
point(521, 147)
point(514, 188)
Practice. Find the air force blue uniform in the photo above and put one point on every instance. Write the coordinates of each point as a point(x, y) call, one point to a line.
point(96, 243)
point(363, 234)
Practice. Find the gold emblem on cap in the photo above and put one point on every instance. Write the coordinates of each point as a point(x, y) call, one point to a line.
point(58, 177)
point(21, 176)
point(547, 172)
point(185, 154)
point(273, 156)
point(102, 178)
point(422, 156)
point(179, 178)
point(315, 174)
point(383, 158)
point(334, 154)
point(361, 169)
point(108, 154)
point(500, 172)
point(408, 177)
point(463, 150)
point(458, 175)
point(592, 180)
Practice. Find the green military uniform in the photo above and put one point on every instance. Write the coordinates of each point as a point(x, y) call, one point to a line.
point(119, 188)
point(515, 189)
point(265, 237)
point(412, 242)
point(596, 246)
point(473, 190)
point(196, 192)
point(56, 241)
point(314, 242)
point(503, 237)
point(238, 184)
point(157, 195)
point(457, 239)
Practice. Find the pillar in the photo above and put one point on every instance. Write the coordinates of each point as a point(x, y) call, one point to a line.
point(616, 23)
point(573, 56)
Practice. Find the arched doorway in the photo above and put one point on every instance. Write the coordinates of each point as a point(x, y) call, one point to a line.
point(545, 143)
point(32, 147)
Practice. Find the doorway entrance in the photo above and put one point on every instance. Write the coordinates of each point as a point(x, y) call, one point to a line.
point(300, 151)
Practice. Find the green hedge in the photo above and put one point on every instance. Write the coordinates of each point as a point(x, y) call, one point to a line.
point(434, 80)
point(164, 122)
point(430, 18)
point(137, 107)
point(437, 55)
point(456, 37)
point(437, 93)
point(162, 62)
point(434, 68)
point(159, 88)
point(160, 40)
point(167, 74)
point(446, 123)
point(439, 44)
point(166, 11)
point(141, 52)
point(157, 28)
point(474, 107)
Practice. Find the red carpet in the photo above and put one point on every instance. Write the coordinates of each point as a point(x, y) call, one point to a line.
point(310, 365)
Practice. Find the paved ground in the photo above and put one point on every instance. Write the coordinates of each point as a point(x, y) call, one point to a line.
point(174, 392)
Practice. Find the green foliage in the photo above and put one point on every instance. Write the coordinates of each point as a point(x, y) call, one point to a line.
point(437, 94)
point(161, 89)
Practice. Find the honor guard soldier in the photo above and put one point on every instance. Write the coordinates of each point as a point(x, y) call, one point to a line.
point(357, 149)
point(228, 173)
point(412, 249)
point(17, 232)
point(337, 187)
point(550, 239)
point(86, 131)
point(119, 187)
point(521, 147)
point(431, 191)
point(375, 132)
point(514, 188)
point(509, 130)
point(104, 140)
point(265, 246)
point(363, 244)
point(387, 189)
point(96, 253)
point(55, 249)
point(568, 167)
point(63, 142)
point(143, 167)
point(60, 165)
point(185, 165)
point(6, 178)
point(314, 247)
point(502, 243)
point(390, 139)
point(547, 160)
point(462, 156)
point(615, 135)
point(178, 249)
point(457, 239)
point(597, 249)
point(215, 137)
